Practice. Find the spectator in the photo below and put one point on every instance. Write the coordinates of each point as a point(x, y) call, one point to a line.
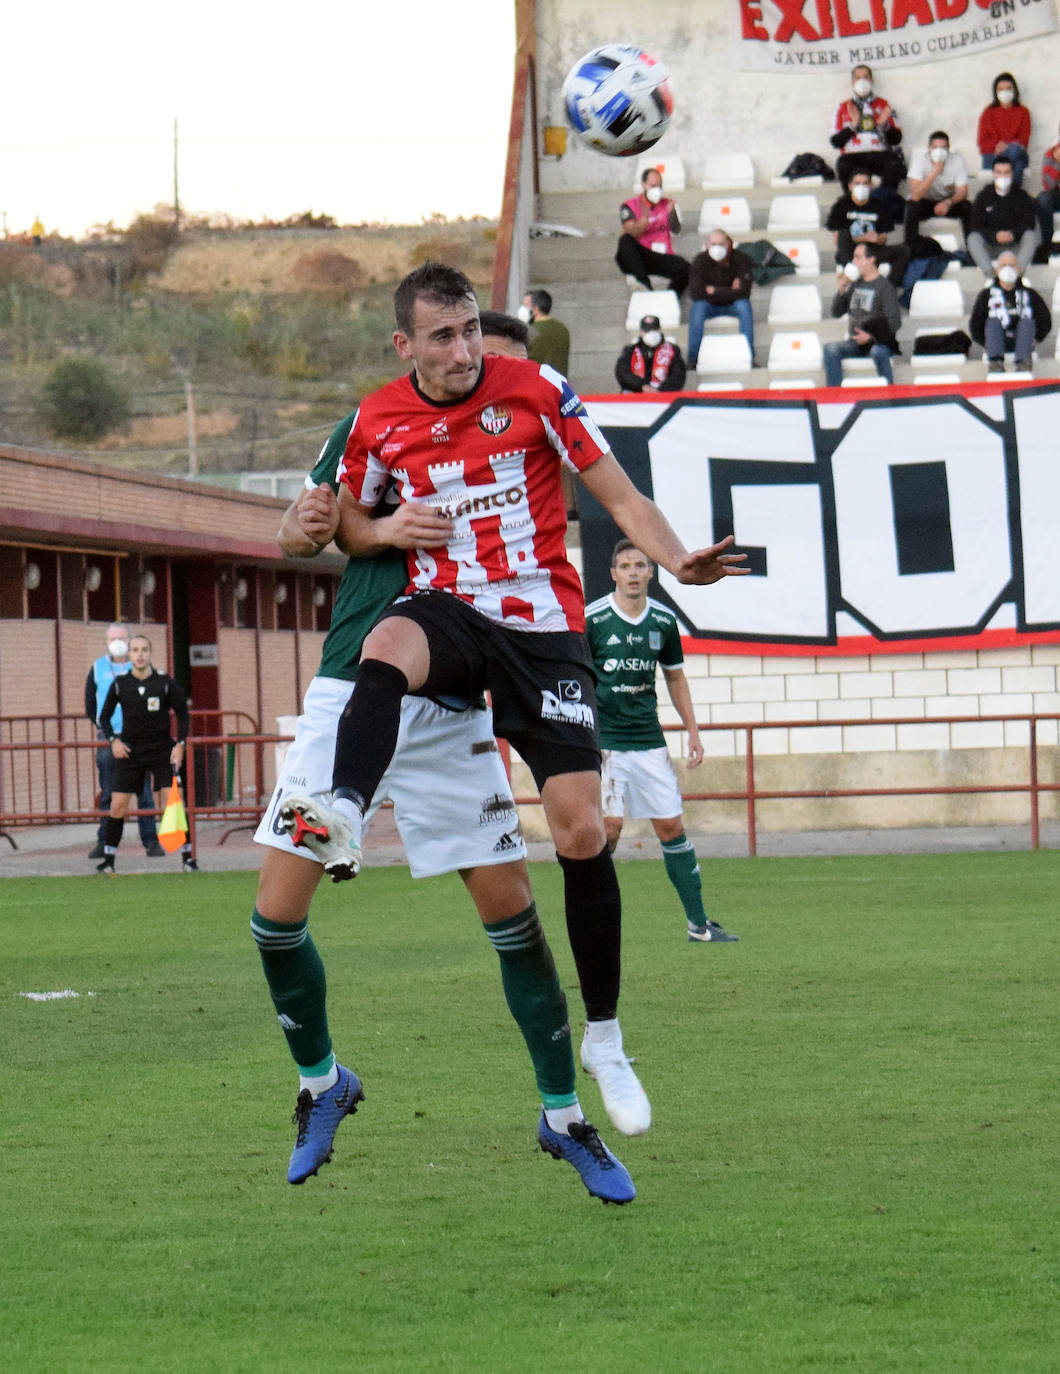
point(652, 363)
point(938, 188)
point(862, 216)
point(719, 284)
point(549, 340)
point(866, 129)
point(113, 664)
point(871, 303)
point(1003, 219)
point(1005, 127)
point(646, 248)
point(1009, 317)
point(503, 334)
point(1049, 200)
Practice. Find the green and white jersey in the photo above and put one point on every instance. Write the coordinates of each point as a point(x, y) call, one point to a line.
point(368, 585)
point(626, 653)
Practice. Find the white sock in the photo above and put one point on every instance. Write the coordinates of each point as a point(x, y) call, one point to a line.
point(560, 1119)
point(321, 1083)
point(600, 1032)
point(345, 806)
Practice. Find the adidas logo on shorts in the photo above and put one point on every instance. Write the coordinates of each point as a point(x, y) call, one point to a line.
point(505, 844)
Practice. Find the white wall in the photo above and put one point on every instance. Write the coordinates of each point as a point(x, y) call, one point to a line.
point(772, 116)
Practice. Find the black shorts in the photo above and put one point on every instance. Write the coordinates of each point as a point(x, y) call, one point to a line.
point(129, 774)
point(542, 685)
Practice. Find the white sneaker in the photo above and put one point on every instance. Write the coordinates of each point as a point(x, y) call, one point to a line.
point(625, 1101)
point(314, 823)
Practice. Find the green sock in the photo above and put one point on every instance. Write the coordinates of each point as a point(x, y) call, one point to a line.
point(682, 868)
point(295, 975)
point(536, 1000)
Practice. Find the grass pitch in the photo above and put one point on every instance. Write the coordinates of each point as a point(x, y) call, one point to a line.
point(853, 1164)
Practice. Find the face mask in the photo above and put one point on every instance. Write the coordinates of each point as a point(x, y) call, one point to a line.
point(1007, 276)
point(718, 251)
point(1002, 185)
point(654, 194)
point(859, 194)
point(852, 271)
point(862, 88)
point(525, 314)
point(939, 154)
point(118, 648)
point(652, 338)
point(1006, 97)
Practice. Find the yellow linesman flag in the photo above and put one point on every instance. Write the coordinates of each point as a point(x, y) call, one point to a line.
point(173, 831)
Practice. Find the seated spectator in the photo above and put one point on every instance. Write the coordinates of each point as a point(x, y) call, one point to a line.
point(1003, 219)
point(874, 317)
point(862, 216)
point(1005, 128)
point(866, 129)
point(1009, 317)
point(652, 363)
point(938, 188)
point(719, 284)
point(1049, 200)
point(646, 249)
point(549, 339)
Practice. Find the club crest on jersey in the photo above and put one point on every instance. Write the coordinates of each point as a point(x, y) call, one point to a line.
point(495, 419)
point(440, 431)
point(654, 639)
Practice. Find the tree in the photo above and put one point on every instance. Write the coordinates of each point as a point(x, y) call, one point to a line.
point(82, 399)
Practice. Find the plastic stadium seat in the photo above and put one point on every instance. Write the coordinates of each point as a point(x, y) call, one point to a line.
point(724, 353)
point(804, 253)
point(794, 214)
point(795, 352)
point(782, 182)
point(945, 240)
point(794, 304)
point(792, 384)
point(662, 303)
point(934, 360)
point(936, 300)
point(732, 214)
point(670, 167)
point(728, 170)
point(1056, 300)
point(874, 380)
point(720, 386)
point(938, 379)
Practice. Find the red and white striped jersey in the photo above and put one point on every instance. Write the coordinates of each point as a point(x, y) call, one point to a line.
point(490, 461)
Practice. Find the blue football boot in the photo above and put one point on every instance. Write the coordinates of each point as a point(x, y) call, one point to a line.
point(317, 1120)
point(604, 1175)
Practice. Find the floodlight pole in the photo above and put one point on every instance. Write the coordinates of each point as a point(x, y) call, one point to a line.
point(176, 191)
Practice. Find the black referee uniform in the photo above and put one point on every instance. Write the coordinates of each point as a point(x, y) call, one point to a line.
point(145, 705)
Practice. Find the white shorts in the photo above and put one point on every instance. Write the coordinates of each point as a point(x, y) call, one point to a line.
point(452, 801)
point(640, 783)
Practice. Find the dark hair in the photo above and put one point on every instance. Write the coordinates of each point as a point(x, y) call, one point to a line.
point(622, 546)
point(939, 133)
point(873, 250)
point(434, 282)
point(140, 636)
point(1006, 76)
point(504, 327)
point(542, 300)
point(647, 172)
point(1003, 159)
point(861, 67)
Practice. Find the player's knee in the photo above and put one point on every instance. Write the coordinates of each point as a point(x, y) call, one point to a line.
point(579, 837)
point(612, 829)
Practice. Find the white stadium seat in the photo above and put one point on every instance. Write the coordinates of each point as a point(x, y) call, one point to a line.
point(724, 170)
point(938, 379)
point(804, 253)
point(936, 300)
point(732, 214)
point(670, 168)
point(1056, 300)
point(720, 386)
point(794, 214)
point(934, 360)
point(792, 384)
point(874, 380)
point(664, 304)
point(795, 352)
point(724, 353)
point(797, 304)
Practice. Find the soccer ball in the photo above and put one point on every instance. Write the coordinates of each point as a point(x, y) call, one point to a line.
point(618, 99)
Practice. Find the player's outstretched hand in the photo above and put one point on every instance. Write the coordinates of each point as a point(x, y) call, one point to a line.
point(318, 514)
point(701, 567)
point(416, 525)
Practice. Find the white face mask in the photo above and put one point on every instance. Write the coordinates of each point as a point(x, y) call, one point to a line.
point(1008, 276)
point(118, 648)
point(859, 193)
point(652, 338)
point(525, 314)
point(862, 87)
point(654, 194)
point(1002, 185)
point(852, 271)
point(718, 251)
point(939, 154)
point(1006, 97)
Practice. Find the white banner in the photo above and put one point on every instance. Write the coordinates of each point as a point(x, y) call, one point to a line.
point(801, 35)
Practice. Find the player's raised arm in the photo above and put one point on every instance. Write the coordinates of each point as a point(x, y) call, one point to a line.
point(309, 522)
point(642, 521)
point(413, 525)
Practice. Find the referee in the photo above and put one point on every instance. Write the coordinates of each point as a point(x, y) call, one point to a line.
point(145, 745)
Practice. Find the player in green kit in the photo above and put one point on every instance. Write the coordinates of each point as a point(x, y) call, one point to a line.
point(631, 635)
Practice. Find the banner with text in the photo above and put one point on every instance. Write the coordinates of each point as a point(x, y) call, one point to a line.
point(802, 35)
point(871, 526)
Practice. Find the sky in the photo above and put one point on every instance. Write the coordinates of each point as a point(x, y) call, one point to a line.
point(387, 110)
